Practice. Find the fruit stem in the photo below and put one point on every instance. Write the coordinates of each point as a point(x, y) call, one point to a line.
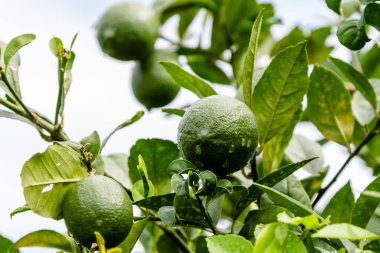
point(366, 139)
point(206, 215)
point(174, 236)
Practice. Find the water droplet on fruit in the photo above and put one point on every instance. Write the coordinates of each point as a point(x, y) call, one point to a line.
point(203, 132)
point(99, 223)
point(198, 150)
point(243, 142)
point(232, 149)
point(58, 164)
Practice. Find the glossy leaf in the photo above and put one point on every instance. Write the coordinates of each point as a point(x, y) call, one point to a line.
point(56, 47)
point(174, 111)
point(133, 236)
point(371, 15)
point(116, 167)
point(15, 45)
point(345, 231)
point(275, 238)
point(47, 239)
point(316, 48)
point(126, 123)
point(158, 154)
point(274, 150)
point(188, 81)
point(262, 216)
point(301, 148)
point(358, 80)
point(334, 5)
point(5, 244)
point(340, 206)
point(208, 71)
point(46, 178)
point(291, 187)
point(366, 206)
point(179, 166)
point(228, 244)
point(156, 202)
point(370, 62)
point(269, 180)
point(279, 94)
point(291, 204)
point(329, 106)
point(309, 222)
point(168, 216)
point(249, 61)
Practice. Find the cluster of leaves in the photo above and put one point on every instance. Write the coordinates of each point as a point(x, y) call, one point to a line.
point(182, 206)
point(352, 32)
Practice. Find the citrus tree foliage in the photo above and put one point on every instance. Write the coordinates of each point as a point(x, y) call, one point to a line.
point(202, 205)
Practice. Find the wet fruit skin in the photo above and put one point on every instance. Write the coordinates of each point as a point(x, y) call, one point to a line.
point(98, 203)
point(151, 85)
point(128, 31)
point(218, 133)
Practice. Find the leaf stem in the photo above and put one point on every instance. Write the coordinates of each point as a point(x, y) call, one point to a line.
point(174, 236)
point(61, 80)
point(206, 215)
point(366, 139)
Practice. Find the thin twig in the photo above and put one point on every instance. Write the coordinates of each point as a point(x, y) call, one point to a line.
point(206, 215)
point(366, 139)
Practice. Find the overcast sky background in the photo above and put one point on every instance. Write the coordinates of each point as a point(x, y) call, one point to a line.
point(100, 97)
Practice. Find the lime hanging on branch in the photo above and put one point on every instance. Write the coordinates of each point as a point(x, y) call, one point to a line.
point(98, 204)
point(218, 133)
point(128, 31)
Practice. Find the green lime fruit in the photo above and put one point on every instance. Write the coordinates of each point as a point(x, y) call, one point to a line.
point(98, 203)
point(151, 85)
point(128, 31)
point(218, 133)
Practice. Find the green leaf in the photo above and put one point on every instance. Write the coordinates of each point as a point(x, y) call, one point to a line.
point(188, 81)
point(228, 244)
point(293, 37)
point(314, 183)
point(21, 209)
point(334, 5)
point(345, 231)
point(5, 244)
point(185, 20)
point(133, 235)
point(169, 8)
point(46, 178)
point(362, 109)
point(269, 180)
point(15, 45)
point(249, 61)
point(11, 115)
point(168, 216)
point(179, 166)
point(116, 167)
point(126, 123)
point(358, 80)
point(158, 154)
point(291, 187)
point(274, 150)
point(371, 15)
point(174, 111)
point(329, 106)
point(279, 94)
point(366, 206)
point(56, 47)
point(47, 239)
point(208, 70)
point(340, 206)
point(310, 222)
point(91, 144)
point(291, 204)
point(370, 61)
point(156, 202)
point(262, 216)
point(316, 48)
point(141, 190)
point(301, 148)
point(275, 238)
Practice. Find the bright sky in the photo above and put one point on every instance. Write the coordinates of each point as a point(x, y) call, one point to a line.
point(100, 97)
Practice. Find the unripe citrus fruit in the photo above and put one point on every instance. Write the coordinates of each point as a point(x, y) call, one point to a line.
point(128, 31)
point(151, 85)
point(218, 133)
point(98, 203)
